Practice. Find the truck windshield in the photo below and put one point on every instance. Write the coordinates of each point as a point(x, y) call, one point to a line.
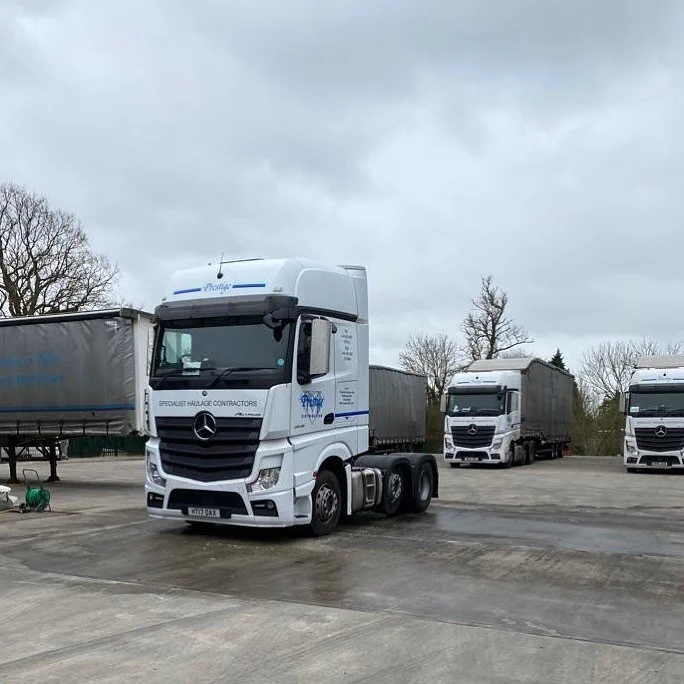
point(656, 404)
point(225, 352)
point(489, 404)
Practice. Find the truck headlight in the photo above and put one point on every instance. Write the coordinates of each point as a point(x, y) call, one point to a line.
point(153, 472)
point(497, 444)
point(267, 479)
point(447, 442)
point(631, 447)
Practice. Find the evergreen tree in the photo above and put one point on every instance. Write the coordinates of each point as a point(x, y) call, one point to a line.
point(557, 360)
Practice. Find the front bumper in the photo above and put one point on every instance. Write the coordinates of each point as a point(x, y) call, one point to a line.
point(650, 460)
point(285, 505)
point(479, 456)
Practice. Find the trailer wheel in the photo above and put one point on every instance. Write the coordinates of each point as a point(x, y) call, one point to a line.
point(393, 493)
point(422, 495)
point(326, 500)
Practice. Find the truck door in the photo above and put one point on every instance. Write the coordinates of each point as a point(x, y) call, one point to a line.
point(313, 394)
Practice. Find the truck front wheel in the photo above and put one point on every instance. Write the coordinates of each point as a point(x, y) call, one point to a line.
point(326, 500)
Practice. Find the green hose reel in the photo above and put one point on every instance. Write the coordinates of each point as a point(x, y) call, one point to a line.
point(37, 497)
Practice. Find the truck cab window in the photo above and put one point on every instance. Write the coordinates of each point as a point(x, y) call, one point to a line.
point(304, 352)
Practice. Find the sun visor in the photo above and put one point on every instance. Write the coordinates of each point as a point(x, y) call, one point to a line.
point(256, 305)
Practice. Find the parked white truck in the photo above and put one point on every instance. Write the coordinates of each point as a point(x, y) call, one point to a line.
point(654, 403)
point(507, 412)
point(258, 401)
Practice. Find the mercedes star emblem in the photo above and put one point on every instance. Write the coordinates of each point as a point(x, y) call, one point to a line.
point(204, 426)
point(660, 431)
point(472, 429)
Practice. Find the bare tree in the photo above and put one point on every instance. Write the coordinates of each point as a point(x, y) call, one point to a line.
point(46, 262)
point(607, 367)
point(435, 356)
point(488, 331)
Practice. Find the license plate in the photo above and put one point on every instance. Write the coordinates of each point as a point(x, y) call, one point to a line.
point(660, 464)
point(472, 458)
point(204, 512)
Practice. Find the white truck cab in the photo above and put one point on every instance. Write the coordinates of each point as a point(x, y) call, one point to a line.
point(258, 400)
point(482, 417)
point(654, 407)
point(505, 412)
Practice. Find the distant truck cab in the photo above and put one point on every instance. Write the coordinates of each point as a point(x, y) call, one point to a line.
point(654, 407)
point(258, 402)
point(506, 412)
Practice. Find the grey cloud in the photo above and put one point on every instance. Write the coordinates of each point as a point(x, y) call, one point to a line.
point(435, 141)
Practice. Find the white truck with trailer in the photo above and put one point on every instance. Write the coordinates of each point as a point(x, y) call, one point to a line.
point(654, 424)
point(258, 401)
point(506, 412)
point(70, 375)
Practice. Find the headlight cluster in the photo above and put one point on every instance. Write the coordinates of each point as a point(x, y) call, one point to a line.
point(268, 478)
point(631, 447)
point(153, 472)
point(497, 444)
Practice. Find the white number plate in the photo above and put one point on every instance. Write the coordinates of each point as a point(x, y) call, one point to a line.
point(204, 512)
point(472, 458)
point(660, 464)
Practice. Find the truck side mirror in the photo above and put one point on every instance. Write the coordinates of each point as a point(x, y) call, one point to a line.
point(443, 403)
point(313, 350)
point(321, 330)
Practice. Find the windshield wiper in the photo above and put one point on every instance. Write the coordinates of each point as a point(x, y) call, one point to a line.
point(228, 371)
point(162, 379)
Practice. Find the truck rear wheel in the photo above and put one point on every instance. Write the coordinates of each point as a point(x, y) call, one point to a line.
point(393, 493)
point(530, 452)
point(422, 494)
point(326, 500)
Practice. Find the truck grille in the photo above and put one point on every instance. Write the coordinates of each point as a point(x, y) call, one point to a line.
point(653, 439)
point(464, 436)
point(229, 455)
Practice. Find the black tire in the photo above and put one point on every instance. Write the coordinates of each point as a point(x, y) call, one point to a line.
point(511, 462)
point(393, 491)
point(420, 498)
point(455, 465)
point(532, 453)
point(326, 504)
point(561, 449)
point(529, 453)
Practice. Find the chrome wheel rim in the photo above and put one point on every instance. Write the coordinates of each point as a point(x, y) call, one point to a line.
point(326, 503)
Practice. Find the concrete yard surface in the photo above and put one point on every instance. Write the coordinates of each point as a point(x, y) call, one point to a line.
point(563, 571)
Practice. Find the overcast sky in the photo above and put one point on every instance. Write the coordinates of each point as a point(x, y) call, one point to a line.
point(431, 140)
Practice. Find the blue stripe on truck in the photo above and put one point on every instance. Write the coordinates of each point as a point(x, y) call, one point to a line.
point(70, 409)
point(351, 413)
point(188, 290)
